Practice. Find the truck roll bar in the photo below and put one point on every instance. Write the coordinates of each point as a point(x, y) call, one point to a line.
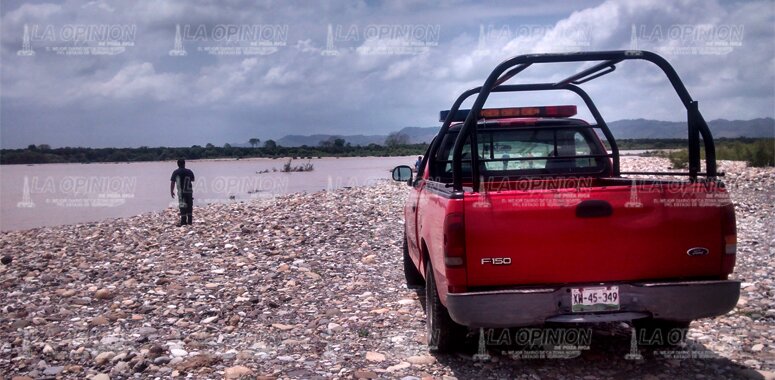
point(697, 127)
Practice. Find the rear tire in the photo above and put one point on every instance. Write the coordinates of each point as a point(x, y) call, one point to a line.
point(444, 335)
point(414, 279)
point(660, 332)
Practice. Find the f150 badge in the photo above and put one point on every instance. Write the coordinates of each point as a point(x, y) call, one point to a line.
point(496, 260)
point(697, 251)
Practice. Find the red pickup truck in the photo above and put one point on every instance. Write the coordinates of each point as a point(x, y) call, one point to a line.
point(521, 217)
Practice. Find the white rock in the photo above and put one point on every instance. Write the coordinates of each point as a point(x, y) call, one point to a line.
point(237, 372)
point(334, 327)
point(421, 359)
point(104, 357)
point(210, 319)
point(120, 368)
point(375, 356)
point(178, 352)
point(398, 367)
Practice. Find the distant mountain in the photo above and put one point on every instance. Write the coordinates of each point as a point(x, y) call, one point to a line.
point(655, 129)
point(419, 135)
point(621, 129)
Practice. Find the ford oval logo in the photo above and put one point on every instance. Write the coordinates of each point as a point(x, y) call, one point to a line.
point(697, 251)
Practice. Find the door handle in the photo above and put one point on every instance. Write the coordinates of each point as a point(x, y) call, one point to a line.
point(594, 209)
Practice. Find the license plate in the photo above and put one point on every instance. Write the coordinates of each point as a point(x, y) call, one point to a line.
point(595, 299)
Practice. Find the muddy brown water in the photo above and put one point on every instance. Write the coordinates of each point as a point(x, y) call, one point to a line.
point(56, 194)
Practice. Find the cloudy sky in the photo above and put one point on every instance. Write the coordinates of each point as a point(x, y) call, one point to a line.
point(102, 73)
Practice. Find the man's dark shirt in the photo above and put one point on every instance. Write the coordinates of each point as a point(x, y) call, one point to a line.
point(183, 178)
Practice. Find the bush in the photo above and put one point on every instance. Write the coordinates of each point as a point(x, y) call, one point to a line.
point(288, 167)
point(757, 153)
point(679, 159)
point(762, 153)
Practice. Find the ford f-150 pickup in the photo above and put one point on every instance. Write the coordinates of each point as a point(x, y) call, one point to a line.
point(520, 216)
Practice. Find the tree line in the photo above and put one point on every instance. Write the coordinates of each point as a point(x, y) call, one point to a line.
point(43, 154)
point(757, 152)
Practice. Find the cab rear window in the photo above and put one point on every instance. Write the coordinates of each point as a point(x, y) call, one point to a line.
point(525, 152)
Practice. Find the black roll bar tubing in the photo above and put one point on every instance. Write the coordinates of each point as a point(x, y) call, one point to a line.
point(696, 124)
point(578, 78)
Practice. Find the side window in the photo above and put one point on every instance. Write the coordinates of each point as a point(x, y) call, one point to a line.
point(465, 158)
point(583, 148)
point(441, 164)
point(425, 159)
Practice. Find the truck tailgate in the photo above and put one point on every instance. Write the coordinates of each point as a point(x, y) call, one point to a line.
point(572, 236)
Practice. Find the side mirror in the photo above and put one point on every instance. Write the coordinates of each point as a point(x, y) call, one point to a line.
point(402, 173)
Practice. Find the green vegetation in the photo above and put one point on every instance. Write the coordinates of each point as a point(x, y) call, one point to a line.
point(288, 167)
point(38, 155)
point(756, 152)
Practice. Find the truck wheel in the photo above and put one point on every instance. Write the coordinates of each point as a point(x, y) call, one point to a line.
point(659, 332)
point(444, 335)
point(414, 279)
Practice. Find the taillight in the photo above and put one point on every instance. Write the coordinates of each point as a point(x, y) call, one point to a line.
point(454, 240)
point(730, 244)
point(455, 249)
point(729, 233)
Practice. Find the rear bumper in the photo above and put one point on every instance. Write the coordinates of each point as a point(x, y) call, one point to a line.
point(676, 301)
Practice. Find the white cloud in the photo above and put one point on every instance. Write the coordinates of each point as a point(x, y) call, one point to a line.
point(297, 86)
point(101, 5)
point(719, 82)
point(134, 81)
point(29, 11)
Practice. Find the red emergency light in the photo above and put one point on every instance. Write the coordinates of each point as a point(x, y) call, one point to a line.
point(499, 113)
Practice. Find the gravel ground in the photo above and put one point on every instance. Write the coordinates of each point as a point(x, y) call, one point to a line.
point(311, 286)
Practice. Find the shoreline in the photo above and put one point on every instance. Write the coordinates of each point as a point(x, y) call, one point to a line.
point(269, 194)
point(203, 207)
point(65, 194)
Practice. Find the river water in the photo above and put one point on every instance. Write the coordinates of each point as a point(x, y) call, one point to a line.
point(56, 194)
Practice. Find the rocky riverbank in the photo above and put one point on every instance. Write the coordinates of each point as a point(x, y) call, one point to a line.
point(311, 286)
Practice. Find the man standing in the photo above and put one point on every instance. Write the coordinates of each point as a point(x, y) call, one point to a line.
point(417, 164)
point(182, 178)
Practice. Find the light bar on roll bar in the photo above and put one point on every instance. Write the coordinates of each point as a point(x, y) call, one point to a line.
point(498, 113)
